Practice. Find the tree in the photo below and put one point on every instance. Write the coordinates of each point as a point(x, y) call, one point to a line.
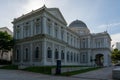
point(6, 42)
point(115, 55)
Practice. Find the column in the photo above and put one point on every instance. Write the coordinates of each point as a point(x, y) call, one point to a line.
point(73, 54)
point(77, 43)
point(31, 50)
point(21, 32)
point(32, 27)
point(14, 28)
point(65, 35)
point(93, 58)
point(44, 52)
point(53, 52)
point(59, 53)
point(65, 55)
point(89, 57)
point(21, 54)
point(79, 58)
point(53, 30)
point(94, 43)
point(105, 59)
point(89, 42)
point(59, 32)
point(103, 42)
point(44, 26)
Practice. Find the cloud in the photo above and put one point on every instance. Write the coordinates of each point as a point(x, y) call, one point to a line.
point(109, 25)
point(115, 38)
point(33, 5)
point(112, 28)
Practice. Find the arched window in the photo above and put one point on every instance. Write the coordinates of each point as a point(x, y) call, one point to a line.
point(68, 56)
point(56, 54)
point(49, 53)
point(62, 55)
point(83, 58)
point(37, 26)
point(67, 37)
point(17, 55)
point(78, 57)
point(37, 52)
point(71, 56)
point(18, 32)
point(83, 43)
point(26, 54)
point(74, 57)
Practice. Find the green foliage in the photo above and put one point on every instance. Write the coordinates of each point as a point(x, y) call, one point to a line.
point(42, 69)
point(115, 55)
point(47, 70)
point(6, 42)
point(10, 67)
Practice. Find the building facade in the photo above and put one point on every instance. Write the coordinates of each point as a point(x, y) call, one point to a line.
point(8, 54)
point(42, 37)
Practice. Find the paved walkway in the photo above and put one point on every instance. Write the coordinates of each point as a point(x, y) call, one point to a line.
point(102, 74)
point(22, 75)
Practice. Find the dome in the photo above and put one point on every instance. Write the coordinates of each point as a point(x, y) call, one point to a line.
point(78, 23)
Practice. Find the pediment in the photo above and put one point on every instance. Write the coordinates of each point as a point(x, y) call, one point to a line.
point(56, 12)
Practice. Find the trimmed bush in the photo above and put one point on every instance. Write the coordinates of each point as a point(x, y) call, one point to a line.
point(10, 67)
point(42, 69)
point(5, 62)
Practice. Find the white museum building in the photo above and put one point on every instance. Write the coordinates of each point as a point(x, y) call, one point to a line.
point(42, 37)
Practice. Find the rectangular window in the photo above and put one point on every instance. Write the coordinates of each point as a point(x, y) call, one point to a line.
point(62, 55)
point(18, 30)
point(62, 34)
point(71, 39)
point(83, 57)
point(67, 38)
point(56, 30)
point(37, 28)
point(49, 29)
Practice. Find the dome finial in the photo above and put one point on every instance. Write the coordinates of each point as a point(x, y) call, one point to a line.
point(44, 6)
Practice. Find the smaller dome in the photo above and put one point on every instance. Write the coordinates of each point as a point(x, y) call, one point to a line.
point(78, 23)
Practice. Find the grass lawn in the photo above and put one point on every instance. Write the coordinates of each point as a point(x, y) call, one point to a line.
point(47, 69)
point(42, 69)
point(79, 71)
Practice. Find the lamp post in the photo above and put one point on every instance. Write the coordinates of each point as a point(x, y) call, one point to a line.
point(58, 67)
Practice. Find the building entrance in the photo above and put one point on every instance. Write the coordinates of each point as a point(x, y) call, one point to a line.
point(99, 59)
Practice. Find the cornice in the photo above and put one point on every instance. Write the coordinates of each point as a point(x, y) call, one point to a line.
point(41, 37)
point(36, 37)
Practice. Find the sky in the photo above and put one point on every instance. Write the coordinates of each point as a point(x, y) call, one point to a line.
point(99, 15)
